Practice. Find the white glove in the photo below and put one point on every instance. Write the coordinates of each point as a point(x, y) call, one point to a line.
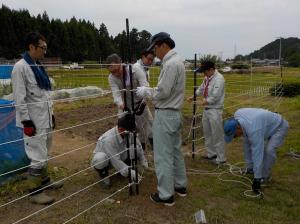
point(144, 92)
point(133, 176)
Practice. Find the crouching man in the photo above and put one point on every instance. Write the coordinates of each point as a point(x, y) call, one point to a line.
point(263, 133)
point(111, 150)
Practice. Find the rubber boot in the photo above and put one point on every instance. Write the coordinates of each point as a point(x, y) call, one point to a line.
point(34, 180)
point(103, 173)
point(34, 185)
point(45, 179)
point(49, 184)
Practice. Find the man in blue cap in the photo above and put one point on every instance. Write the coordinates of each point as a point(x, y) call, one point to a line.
point(258, 126)
point(167, 97)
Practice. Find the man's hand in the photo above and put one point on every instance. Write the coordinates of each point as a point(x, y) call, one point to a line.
point(204, 102)
point(191, 98)
point(144, 92)
point(29, 128)
point(121, 106)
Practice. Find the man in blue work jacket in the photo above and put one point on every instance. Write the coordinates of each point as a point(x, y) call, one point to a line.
point(257, 127)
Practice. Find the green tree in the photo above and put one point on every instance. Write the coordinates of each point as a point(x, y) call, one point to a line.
point(8, 37)
point(106, 44)
point(72, 40)
point(294, 60)
point(209, 57)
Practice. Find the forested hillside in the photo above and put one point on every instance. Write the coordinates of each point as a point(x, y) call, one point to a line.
point(72, 40)
point(290, 51)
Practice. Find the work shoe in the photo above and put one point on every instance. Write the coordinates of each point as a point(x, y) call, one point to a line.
point(167, 202)
point(209, 158)
point(103, 173)
point(41, 199)
point(33, 183)
point(219, 163)
point(181, 191)
point(265, 181)
point(106, 183)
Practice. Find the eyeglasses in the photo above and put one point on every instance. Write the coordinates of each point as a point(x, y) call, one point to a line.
point(44, 48)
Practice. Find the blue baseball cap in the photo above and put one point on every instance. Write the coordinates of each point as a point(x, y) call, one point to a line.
point(230, 128)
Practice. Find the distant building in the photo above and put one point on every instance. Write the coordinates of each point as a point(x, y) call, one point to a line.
point(265, 61)
point(4, 61)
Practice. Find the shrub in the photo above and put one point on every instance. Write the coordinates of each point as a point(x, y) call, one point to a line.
point(288, 89)
point(240, 66)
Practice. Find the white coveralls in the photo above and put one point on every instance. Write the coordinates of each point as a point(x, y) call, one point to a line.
point(212, 116)
point(263, 132)
point(139, 63)
point(33, 103)
point(110, 144)
point(144, 121)
point(168, 98)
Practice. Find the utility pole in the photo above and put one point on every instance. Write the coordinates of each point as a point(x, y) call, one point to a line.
point(279, 61)
point(234, 53)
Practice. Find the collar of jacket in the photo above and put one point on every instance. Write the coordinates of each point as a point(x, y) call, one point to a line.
point(145, 67)
point(211, 77)
point(169, 55)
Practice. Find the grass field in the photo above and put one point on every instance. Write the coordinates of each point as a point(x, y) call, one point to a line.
point(214, 189)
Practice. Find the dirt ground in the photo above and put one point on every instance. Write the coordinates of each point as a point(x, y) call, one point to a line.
point(218, 200)
point(121, 209)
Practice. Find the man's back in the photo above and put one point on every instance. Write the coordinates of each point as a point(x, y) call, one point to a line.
point(255, 120)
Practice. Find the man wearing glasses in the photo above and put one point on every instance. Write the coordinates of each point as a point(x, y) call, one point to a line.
point(167, 97)
point(34, 113)
point(144, 117)
point(145, 62)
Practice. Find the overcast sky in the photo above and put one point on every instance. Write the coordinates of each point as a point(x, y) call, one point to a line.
point(220, 27)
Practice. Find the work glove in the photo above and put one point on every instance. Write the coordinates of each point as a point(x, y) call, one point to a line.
point(53, 122)
point(144, 92)
point(256, 185)
point(140, 107)
point(29, 128)
point(133, 176)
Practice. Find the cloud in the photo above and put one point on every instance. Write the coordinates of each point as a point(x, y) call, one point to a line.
point(208, 26)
